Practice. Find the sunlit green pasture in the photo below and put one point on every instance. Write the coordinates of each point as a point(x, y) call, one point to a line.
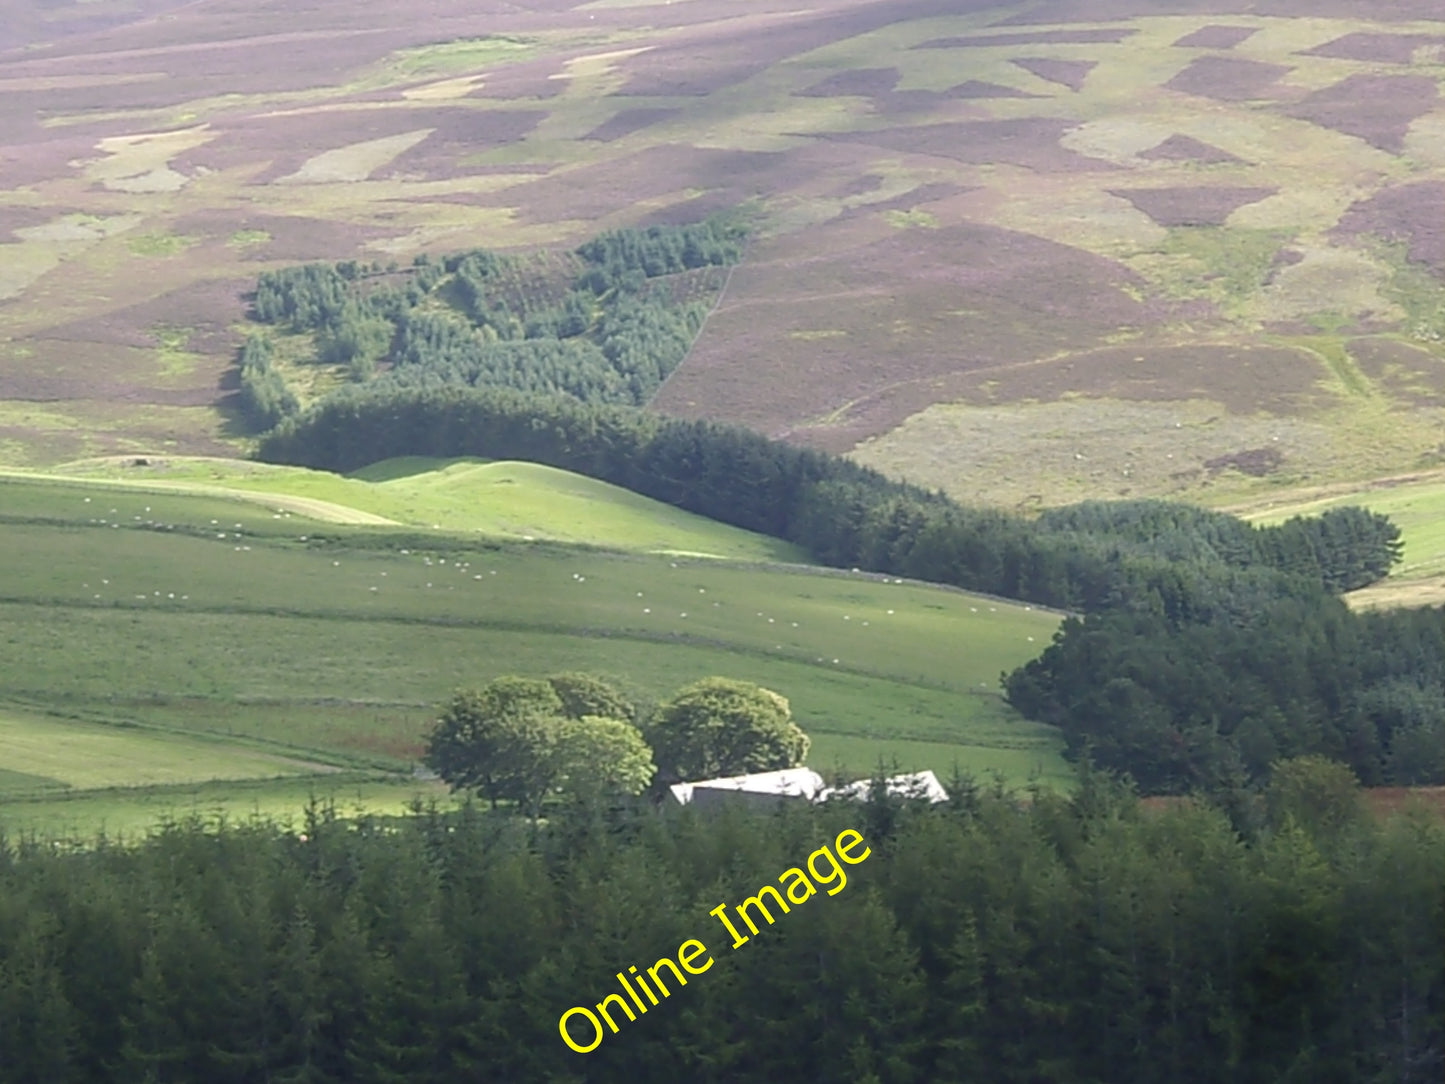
point(505, 499)
point(307, 640)
point(45, 754)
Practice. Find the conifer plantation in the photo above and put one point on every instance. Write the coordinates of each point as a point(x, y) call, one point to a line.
point(1205, 648)
point(999, 937)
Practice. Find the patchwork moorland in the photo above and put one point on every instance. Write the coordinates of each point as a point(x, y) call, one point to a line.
point(1027, 253)
point(177, 648)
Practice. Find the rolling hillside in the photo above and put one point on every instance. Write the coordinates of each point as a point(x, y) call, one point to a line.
point(179, 638)
point(524, 501)
point(1026, 254)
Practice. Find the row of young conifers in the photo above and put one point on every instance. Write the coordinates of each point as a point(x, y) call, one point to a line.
point(987, 939)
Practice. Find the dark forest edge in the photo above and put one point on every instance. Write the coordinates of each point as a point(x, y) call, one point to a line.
point(1208, 649)
point(1000, 937)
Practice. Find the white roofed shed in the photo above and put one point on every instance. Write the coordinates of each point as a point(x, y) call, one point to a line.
point(766, 789)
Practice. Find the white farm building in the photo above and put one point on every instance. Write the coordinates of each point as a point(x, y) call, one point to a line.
point(766, 789)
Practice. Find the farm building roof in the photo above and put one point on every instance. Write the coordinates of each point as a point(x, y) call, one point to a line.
point(787, 783)
point(913, 785)
point(801, 783)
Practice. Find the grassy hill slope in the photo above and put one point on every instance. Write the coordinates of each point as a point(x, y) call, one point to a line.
point(269, 635)
point(503, 499)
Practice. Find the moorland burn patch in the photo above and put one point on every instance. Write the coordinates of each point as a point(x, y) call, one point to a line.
point(1228, 79)
point(1183, 148)
point(1216, 37)
point(1192, 205)
point(1376, 48)
point(1255, 462)
point(1030, 142)
point(1378, 109)
point(1067, 73)
point(1412, 213)
point(627, 121)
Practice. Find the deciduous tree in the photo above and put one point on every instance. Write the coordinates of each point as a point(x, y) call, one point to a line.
point(720, 727)
point(499, 740)
point(525, 739)
point(603, 757)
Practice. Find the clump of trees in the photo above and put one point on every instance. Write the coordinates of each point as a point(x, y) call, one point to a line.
point(1213, 704)
point(1343, 549)
point(719, 727)
point(525, 739)
point(265, 397)
point(440, 351)
point(357, 338)
point(614, 257)
point(302, 298)
point(589, 326)
point(577, 737)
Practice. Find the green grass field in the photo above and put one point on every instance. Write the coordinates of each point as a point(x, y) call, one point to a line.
point(505, 499)
point(46, 754)
point(262, 643)
point(131, 813)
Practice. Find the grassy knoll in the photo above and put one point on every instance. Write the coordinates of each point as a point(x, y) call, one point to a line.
point(31, 497)
point(510, 500)
point(296, 641)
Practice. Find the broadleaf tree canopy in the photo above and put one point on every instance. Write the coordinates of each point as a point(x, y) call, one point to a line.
point(721, 727)
point(524, 739)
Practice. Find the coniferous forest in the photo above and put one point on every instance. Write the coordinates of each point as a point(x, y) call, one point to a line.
point(1000, 938)
point(606, 323)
